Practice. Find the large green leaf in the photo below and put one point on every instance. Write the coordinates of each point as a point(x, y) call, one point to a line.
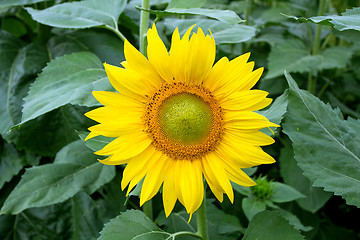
point(75, 169)
point(291, 55)
point(225, 16)
point(276, 112)
point(84, 14)
point(222, 32)
point(87, 217)
point(220, 225)
point(105, 45)
point(335, 57)
point(38, 223)
point(284, 193)
point(350, 19)
point(67, 79)
point(64, 44)
point(269, 225)
point(251, 207)
point(56, 127)
point(186, 3)
point(9, 47)
point(11, 162)
point(293, 176)
point(130, 225)
point(27, 64)
point(10, 3)
point(326, 146)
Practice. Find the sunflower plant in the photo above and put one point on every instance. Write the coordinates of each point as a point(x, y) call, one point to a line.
point(178, 119)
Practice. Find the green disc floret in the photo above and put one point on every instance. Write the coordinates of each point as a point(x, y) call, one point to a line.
point(185, 118)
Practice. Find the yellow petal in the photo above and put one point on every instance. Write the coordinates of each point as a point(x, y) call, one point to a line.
point(211, 81)
point(232, 77)
point(255, 138)
point(191, 184)
point(129, 82)
point(227, 72)
point(117, 100)
point(158, 54)
point(113, 129)
point(138, 62)
point(179, 54)
point(201, 59)
point(154, 178)
point(244, 100)
point(169, 193)
point(114, 160)
point(198, 183)
point(235, 174)
point(91, 135)
point(216, 166)
point(129, 145)
point(115, 114)
point(246, 120)
point(212, 180)
point(138, 166)
point(243, 155)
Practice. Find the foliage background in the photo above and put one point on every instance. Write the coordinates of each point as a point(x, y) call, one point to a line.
point(51, 55)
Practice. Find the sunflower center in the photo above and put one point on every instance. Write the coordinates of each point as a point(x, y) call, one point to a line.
point(185, 118)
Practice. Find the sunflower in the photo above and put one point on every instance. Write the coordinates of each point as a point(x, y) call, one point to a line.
point(178, 118)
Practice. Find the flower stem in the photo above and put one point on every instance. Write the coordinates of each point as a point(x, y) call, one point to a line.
point(201, 220)
point(144, 24)
point(316, 46)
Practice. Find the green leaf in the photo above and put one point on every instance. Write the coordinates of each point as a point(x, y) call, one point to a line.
point(186, 3)
point(95, 143)
point(293, 176)
point(350, 19)
point(284, 193)
point(269, 225)
point(335, 57)
point(67, 79)
point(241, 189)
point(37, 223)
point(225, 16)
point(130, 225)
point(11, 162)
point(222, 32)
point(84, 14)
point(105, 45)
point(9, 47)
point(251, 207)
point(293, 56)
point(293, 220)
point(325, 145)
point(56, 127)
point(220, 225)
point(276, 112)
point(75, 169)
point(87, 217)
point(61, 45)
point(11, 3)
point(27, 64)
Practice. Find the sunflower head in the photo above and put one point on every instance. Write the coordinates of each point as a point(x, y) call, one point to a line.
point(178, 119)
